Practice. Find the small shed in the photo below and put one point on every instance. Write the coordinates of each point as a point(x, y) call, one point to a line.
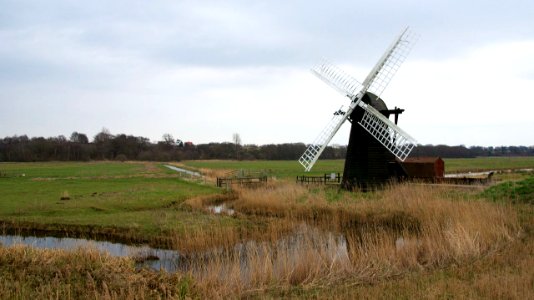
point(424, 167)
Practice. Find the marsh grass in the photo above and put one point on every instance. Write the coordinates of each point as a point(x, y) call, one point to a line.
point(310, 241)
point(26, 273)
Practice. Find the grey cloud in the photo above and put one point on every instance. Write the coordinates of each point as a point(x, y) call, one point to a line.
point(108, 46)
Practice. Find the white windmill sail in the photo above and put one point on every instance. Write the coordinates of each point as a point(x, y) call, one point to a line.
point(337, 78)
point(314, 150)
point(386, 132)
point(390, 135)
point(379, 78)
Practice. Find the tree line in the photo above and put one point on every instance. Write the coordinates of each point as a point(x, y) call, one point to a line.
point(106, 146)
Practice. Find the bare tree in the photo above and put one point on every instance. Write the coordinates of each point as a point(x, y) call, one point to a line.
point(237, 142)
point(168, 139)
point(236, 139)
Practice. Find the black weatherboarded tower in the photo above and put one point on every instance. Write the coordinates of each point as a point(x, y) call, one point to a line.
point(368, 164)
point(375, 143)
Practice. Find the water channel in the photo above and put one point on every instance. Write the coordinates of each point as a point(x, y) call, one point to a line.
point(303, 238)
point(145, 256)
point(188, 172)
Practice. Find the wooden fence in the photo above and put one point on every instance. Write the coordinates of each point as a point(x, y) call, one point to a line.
point(247, 181)
point(334, 178)
point(243, 178)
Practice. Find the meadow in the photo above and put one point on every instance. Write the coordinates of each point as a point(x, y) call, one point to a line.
point(291, 169)
point(488, 163)
point(123, 201)
point(283, 239)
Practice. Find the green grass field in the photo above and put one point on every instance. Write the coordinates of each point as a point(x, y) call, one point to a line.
point(74, 169)
point(277, 168)
point(140, 198)
point(487, 163)
point(139, 195)
point(289, 168)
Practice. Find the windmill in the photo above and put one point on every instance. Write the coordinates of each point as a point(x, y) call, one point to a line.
point(375, 142)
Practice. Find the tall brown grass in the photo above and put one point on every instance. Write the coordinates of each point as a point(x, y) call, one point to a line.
point(310, 240)
point(27, 273)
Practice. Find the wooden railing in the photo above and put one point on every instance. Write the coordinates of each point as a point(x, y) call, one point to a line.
point(246, 181)
point(334, 178)
point(243, 178)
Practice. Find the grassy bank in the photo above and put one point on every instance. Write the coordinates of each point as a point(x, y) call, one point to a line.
point(137, 202)
point(517, 192)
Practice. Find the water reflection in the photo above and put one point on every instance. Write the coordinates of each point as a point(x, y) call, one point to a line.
point(145, 256)
point(282, 253)
point(221, 209)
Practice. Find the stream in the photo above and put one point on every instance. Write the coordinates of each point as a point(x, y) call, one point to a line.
point(154, 258)
point(286, 250)
point(192, 173)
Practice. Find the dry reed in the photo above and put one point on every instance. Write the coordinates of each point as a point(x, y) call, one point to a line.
point(401, 229)
point(27, 272)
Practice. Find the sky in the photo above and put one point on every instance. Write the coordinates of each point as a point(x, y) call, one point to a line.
point(204, 70)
